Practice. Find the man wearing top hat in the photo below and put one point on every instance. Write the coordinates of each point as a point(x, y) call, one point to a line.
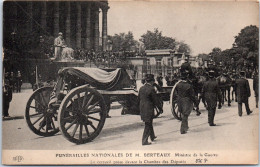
point(147, 102)
point(185, 96)
point(211, 93)
point(243, 93)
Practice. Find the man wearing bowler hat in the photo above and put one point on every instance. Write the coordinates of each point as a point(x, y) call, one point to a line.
point(211, 93)
point(147, 102)
point(243, 93)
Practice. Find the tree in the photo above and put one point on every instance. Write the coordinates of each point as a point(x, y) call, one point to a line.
point(155, 40)
point(184, 48)
point(122, 41)
point(248, 38)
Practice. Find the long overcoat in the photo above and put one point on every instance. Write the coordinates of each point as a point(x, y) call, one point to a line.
point(243, 90)
point(211, 92)
point(148, 100)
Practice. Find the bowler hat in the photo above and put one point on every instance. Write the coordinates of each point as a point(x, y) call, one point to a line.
point(149, 77)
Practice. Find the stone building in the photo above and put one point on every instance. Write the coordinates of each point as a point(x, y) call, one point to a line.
point(77, 20)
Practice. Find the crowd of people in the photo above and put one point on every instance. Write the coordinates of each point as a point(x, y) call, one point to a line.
point(189, 89)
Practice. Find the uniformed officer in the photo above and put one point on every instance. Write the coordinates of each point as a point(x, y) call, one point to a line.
point(186, 67)
point(147, 102)
point(7, 96)
point(243, 93)
point(185, 95)
point(211, 93)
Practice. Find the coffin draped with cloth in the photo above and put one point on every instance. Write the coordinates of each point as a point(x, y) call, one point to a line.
point(109, 80)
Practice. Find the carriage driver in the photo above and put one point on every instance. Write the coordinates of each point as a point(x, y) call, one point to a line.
point(147, 102)
point(185, 95)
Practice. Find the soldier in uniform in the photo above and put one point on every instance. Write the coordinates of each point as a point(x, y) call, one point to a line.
point(147, 102)
point(243, 93)
point(186, 67)
point(211, 93)
point(7, 96)
point(185, 95)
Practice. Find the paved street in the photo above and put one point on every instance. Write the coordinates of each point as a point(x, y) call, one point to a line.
point(124, 132)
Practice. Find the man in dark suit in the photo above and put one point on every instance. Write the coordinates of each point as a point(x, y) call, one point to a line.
point(7, 96)
point(185, 95)
point(147, 102)
point(160, 80)
point(211, 93)
point(256, 87)
point(243, 93)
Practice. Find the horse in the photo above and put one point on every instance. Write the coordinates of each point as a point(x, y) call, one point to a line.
point(201, 79)
point(224, 85)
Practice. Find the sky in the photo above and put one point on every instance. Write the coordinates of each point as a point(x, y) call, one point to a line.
point(202, 25)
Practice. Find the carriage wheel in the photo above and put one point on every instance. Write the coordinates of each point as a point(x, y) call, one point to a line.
point(82, 115)
point(41, 119)
point(175, 111)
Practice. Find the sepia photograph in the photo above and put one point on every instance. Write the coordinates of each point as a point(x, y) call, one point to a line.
point(126, 82)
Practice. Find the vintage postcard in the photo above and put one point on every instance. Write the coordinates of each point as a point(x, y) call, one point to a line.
point(130, 82)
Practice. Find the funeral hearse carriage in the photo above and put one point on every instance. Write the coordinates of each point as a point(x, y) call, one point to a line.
point(79, 102)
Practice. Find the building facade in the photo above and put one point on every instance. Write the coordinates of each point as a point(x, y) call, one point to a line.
point(77, 20)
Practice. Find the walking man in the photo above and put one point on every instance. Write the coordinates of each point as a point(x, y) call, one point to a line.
point(185, 95)
point(211, 92)
point(147, 102)
point(243, 93)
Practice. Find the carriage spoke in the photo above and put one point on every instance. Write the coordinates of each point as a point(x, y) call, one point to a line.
point(94, 112)
point(41, 126)
point(86, 128)
point(45, 103)
point(80, 132)
point(35, 114)
point(78, 95)
point(75, 129)
point(84, 99)
point(90, 100)
point(94, 118)
point(70, 125)
point(70, 118)
point(46, 125)
point(93, 127)
point(93, 106)
point(38, 119)
point(40, 103)
point(33, 107)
